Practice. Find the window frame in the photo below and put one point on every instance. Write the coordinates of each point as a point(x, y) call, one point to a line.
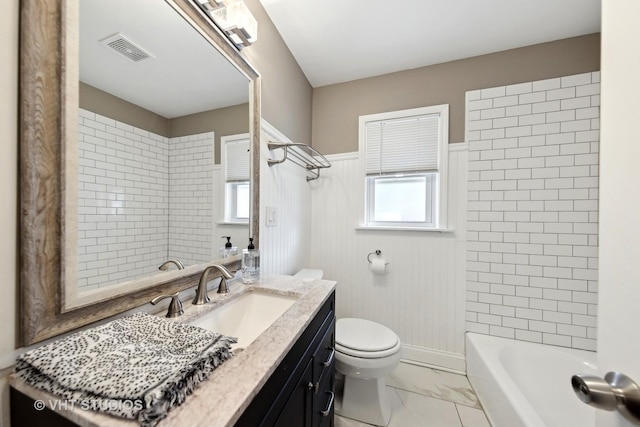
point(440, 211)
point(231, 201)
point(431, 196)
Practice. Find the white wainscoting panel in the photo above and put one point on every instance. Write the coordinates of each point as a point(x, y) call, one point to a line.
point(421, 297)
point(285, 245)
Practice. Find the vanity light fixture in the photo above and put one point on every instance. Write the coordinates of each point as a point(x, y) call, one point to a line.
point(234, 18)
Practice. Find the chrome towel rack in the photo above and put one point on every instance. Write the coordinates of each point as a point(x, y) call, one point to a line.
point(302, 155)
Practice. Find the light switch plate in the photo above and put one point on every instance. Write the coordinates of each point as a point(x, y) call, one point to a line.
point(271, 216)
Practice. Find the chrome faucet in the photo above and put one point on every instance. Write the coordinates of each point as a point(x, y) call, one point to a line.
point(165, 265)
point(223, 288)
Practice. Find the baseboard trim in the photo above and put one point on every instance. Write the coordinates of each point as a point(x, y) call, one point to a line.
point(436, 359)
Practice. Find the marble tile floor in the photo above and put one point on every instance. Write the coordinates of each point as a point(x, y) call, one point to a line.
point(422, 397)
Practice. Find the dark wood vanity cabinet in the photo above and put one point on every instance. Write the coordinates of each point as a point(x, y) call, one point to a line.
point(300, 392)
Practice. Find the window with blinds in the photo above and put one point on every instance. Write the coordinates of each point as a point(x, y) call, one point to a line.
point(236, 160)
point(408, 144)
point(404, 156)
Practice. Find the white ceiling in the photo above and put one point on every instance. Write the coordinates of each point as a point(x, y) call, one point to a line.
point(342, 40)
point(187, 74)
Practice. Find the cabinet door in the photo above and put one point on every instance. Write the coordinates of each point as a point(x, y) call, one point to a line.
point(323, 378)
point(281, 400)
point(324, 399)
point(297, 410)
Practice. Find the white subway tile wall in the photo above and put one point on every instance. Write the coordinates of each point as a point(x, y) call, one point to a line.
point(532, 216)
point(124, 201)
point(191, 227)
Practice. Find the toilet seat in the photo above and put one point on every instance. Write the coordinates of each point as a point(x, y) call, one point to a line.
point(365, 339)
point(367, 354)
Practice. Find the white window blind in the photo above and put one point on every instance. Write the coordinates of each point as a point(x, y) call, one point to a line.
point(237, 160)
point(408, 144)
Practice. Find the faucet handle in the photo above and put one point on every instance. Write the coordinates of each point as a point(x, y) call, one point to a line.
point(175, 306)
point(223, 286)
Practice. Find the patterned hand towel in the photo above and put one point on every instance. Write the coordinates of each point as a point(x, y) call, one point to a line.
point(137, 367)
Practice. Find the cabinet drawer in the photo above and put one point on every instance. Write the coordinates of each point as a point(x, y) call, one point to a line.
point(324, 399)
point(325, 352)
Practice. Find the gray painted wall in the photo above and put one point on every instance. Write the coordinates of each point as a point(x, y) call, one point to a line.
point(336, 107)
point(286, 92)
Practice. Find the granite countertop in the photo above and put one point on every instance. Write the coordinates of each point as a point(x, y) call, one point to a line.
point(220, 400)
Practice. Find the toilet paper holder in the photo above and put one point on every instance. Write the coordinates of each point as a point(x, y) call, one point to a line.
point(376, 252)
point(615, 392)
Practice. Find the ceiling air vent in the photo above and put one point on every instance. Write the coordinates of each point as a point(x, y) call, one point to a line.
point(126, 47)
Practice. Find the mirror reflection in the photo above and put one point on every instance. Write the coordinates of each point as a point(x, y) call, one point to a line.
point(163, 161)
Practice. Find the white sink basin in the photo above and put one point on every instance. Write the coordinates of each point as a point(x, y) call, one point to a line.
point(246, 316)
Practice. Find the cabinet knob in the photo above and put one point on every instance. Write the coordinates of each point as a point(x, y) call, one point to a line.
point(312, 386)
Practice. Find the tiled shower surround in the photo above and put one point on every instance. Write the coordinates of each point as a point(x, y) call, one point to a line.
point(191, 199)
point(532, 217)
point(128, 223)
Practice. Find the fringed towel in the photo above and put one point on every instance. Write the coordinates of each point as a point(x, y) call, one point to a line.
point(137, 367)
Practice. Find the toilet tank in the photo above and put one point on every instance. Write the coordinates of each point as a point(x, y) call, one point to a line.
point(308, 273)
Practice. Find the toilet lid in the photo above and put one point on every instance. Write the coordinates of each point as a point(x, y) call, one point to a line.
point(364, 335)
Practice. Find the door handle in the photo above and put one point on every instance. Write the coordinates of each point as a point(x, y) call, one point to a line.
point(615, 392)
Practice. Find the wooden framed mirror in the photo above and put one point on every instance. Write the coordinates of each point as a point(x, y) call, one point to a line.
point(49, 111)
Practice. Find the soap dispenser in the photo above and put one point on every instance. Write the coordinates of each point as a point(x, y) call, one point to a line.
point(250, 263)
point(228, 249)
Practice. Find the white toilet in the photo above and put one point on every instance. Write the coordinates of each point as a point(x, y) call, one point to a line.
point(366, 351)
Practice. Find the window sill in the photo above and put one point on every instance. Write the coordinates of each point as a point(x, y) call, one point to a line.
point(419, 229)
point(232, 223)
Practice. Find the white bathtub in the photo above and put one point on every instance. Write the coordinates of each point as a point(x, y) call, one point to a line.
point(522, 384)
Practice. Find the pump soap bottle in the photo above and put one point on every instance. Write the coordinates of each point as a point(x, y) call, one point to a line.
point(228, 249)
point(250, 263)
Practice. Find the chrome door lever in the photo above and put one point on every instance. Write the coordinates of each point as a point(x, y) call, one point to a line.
point(615, 392)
